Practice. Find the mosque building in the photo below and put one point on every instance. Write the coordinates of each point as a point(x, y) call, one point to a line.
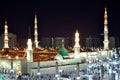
point(35, 59)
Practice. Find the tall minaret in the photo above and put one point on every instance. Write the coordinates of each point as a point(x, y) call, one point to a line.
point(76, 46)
point(106, 42)
point(6, 35)
point(29, 48)
point(35, 32)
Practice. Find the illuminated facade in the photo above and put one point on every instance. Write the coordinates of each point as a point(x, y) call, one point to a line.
point(6, 35)
point(35, 32)
point(106, 42)
point(30, 58)
point(11, 57)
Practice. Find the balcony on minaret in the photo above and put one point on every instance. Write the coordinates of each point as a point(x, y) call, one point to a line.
point(77, 45)
point(36, 32)
point(105, 21)
point(106, 30)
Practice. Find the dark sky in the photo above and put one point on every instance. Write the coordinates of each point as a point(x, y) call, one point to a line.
point(60, 18)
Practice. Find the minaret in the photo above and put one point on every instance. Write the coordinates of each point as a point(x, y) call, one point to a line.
point(106, 42)
point(35, 32)
point(6, 35)
point(76, 46)
point(29, 49)
point(63, 42)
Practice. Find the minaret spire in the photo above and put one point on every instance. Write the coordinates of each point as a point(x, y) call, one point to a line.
point(29, 33)
point(6, 35)
point(77, 46)
point(106, 42)
point(35, 32)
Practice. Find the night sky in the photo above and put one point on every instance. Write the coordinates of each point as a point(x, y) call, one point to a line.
point(60, 18)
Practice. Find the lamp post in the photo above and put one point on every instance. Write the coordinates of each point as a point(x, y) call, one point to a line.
point(11, 63)
point(39, 70)
point(78, 76)
point(56, 65)
point(11, 70)
point(38, 66)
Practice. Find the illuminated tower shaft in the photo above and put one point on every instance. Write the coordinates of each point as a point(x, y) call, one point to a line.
point(106, 42)
point(6, 36)
point(29, 44)
point(77, 46)
point(29, 51)
point(29, 48)
point(35, 32)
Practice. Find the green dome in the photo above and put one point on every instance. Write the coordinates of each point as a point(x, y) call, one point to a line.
point(63, 52)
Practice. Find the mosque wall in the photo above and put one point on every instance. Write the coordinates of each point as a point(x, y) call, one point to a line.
point(6, 65)
point(61, 68)
point(47, 67)
point(91, 56)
